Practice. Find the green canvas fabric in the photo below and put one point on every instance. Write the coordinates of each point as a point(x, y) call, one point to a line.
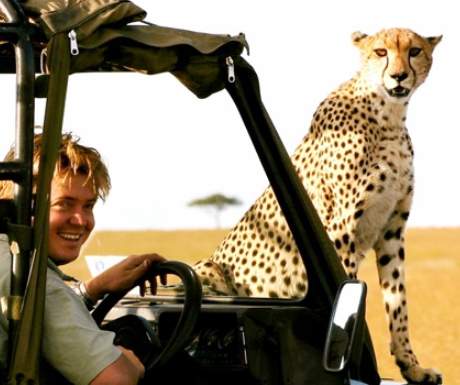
point(196, 59)
point(108, 42)
point(84, 16)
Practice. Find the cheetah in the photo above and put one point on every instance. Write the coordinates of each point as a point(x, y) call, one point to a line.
point(356, 164)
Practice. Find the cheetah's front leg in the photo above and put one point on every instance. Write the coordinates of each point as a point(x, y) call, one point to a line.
point(390, 261)
point(213, 278)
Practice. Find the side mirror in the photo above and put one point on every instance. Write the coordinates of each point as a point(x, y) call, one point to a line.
point(345, 325)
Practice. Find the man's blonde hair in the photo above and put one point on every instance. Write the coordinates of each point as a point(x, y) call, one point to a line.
point(73, 159)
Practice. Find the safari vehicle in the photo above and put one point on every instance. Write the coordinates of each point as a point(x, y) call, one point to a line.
point(195, 339)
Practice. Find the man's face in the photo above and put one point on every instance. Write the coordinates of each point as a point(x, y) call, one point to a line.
point(71, 217)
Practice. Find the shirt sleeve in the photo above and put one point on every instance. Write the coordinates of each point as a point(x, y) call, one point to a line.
point(72, 342)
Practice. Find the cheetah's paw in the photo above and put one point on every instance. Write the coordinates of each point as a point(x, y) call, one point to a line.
point(418, 375)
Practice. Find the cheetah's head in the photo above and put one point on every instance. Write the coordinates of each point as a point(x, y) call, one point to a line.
point(395, 61)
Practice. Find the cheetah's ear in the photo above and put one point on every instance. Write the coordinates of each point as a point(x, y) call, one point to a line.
point(434, 40)
point(357, 37)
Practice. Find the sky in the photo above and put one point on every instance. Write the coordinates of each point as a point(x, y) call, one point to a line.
point(164, 147)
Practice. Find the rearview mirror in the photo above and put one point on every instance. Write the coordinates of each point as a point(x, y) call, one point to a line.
point(346, 320)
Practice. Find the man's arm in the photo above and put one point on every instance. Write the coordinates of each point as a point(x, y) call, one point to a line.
point(126, 370)
point(126, 274)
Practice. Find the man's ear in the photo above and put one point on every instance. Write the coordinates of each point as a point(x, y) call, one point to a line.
point(357, 38)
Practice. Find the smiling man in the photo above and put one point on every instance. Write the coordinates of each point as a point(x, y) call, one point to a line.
point(72, 342)
point(71, 218)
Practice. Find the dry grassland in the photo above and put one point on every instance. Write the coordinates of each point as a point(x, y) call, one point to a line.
point(433, 281)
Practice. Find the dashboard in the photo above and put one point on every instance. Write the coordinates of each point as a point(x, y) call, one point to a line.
point(218, 342)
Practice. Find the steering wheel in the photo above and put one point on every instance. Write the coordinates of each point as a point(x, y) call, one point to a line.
point(184, 328)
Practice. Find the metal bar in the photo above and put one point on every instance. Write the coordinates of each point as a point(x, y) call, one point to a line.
point(25, 113)
point(20, 170)
point(9, 32)
point(314, 245)
point(11, 10)
point(14, 171)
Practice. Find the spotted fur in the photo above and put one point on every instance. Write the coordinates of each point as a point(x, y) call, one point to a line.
point(356, 165)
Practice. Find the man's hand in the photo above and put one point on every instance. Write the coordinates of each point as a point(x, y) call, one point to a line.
point(132, 271)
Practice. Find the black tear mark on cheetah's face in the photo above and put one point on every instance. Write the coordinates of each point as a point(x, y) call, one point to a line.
point(356, 165)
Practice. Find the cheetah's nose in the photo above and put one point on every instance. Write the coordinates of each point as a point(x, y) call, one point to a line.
point(400, 76)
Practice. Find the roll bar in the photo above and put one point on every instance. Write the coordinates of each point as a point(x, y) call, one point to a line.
point(18, 223)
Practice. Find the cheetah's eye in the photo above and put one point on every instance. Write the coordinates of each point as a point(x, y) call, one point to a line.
point(382, 52)
point(414, 51)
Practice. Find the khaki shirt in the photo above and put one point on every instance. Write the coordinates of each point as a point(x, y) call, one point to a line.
point(72, 342)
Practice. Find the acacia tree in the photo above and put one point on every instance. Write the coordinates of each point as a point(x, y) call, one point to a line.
point(217, 202)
